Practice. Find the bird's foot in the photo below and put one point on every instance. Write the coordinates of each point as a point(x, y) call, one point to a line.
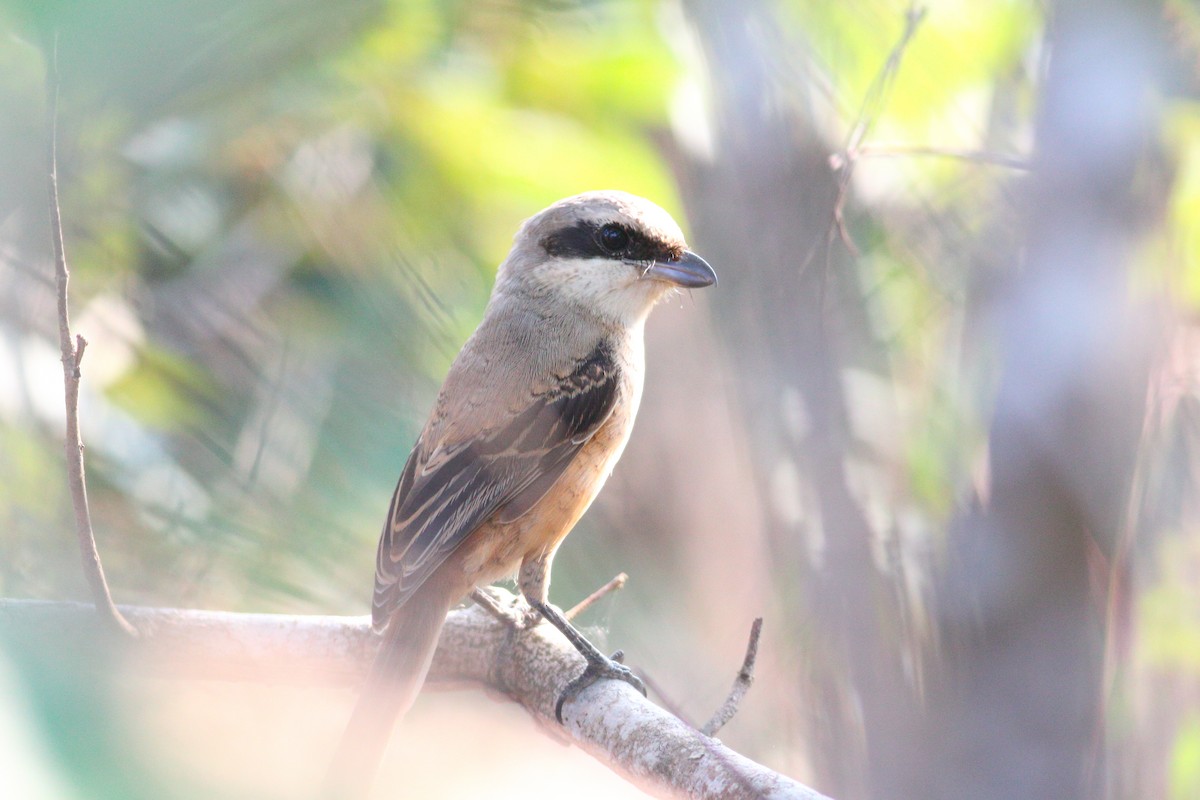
point(598, 668)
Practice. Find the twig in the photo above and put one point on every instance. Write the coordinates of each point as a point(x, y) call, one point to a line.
point(484, 599)
point(840, 160)
point(583, 605)
point(72, 357)
point(872, 102)
point(741, 684)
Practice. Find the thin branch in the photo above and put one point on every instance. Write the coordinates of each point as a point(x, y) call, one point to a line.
point(741, 684)
point(874, 99)
point(840, 160)
point(483, 598)
point(609, 719)
point(872, 103)
point(583, 605)
point(72, 357)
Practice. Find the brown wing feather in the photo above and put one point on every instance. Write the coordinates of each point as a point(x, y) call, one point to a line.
point(444, 495)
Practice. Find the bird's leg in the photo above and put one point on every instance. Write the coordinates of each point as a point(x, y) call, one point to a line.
point(534, 584)
point(599, 666)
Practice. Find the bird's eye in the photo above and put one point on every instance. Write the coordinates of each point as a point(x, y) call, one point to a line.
point(613, 238)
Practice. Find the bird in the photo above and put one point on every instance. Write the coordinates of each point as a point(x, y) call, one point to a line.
point(529, 422)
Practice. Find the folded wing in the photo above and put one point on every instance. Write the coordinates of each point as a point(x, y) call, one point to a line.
point(449, 488)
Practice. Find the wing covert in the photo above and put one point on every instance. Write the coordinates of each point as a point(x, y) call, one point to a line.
point(447, 491)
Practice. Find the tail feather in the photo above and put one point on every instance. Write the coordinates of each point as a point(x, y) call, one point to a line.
point(391, 687)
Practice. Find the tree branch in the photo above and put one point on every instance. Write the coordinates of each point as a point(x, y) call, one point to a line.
point(72, 356)
point(608, 719)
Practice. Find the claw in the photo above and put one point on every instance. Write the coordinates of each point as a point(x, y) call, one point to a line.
point(598, 667)
point(607, 668)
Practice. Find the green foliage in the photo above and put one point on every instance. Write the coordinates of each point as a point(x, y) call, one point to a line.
point(1171, 615)
point(296, 210)
point(1185, 763)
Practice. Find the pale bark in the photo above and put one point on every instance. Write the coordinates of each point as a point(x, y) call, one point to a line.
point(610, 720)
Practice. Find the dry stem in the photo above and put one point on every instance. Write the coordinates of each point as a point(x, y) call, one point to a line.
point(72, 356)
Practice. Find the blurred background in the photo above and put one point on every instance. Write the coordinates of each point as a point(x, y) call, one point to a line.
point(939, 422)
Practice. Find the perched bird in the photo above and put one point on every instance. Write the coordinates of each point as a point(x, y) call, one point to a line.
point(530, 421)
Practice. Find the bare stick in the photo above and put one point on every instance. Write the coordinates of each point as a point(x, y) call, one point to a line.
point(874, 99)
point(872, 103)
point(485, 600)
point(839, 160)
point(583, 605)
point(741, 684)
point(72, 356)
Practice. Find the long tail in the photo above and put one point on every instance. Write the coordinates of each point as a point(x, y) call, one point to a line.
point(392, 686)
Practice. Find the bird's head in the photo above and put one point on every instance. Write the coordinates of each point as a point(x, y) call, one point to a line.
point(611, 252)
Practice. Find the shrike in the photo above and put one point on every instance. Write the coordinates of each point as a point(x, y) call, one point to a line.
point(530, 421)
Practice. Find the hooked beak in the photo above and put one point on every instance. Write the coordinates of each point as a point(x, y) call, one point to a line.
point(689, 271)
